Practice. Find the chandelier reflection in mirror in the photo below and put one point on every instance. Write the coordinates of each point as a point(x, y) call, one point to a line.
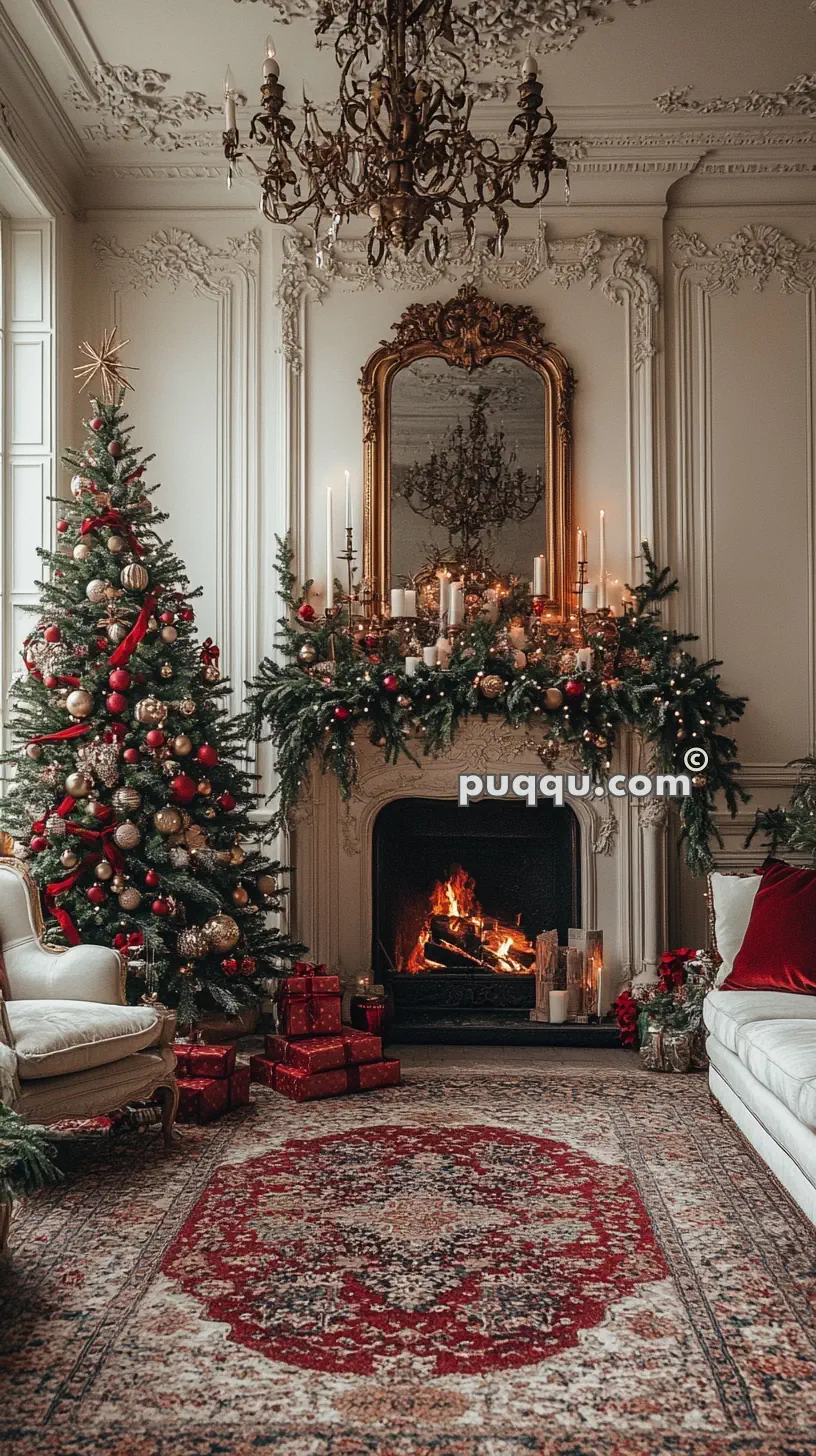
point(403, 153)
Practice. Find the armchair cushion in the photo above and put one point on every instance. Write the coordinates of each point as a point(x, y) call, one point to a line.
point(57, 1037)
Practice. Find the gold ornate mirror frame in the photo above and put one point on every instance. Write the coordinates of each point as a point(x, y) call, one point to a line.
point(468, 331)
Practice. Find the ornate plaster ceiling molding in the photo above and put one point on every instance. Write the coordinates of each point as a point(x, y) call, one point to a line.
point(617, 264)
point(134, 105)
point(174, 256)
point(757, 253)
point(797, 99)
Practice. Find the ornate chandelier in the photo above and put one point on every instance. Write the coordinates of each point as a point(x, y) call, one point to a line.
point(403, 153)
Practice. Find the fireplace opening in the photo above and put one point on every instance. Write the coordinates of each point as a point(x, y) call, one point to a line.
point(459, 896)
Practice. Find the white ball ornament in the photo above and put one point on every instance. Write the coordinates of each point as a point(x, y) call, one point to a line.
point(96, 589)
point(78, 786)
point(80, 483)
point(81, 551)
point(79, 703)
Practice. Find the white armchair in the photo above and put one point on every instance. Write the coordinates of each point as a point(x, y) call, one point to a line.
point(78, 1049)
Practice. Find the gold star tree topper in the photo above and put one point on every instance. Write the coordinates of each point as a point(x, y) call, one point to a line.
point(106, 363)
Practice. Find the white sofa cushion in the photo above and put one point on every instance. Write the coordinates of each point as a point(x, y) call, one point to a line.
point(782, 1056)
point(727, 1013)
point(52, 1038)
point(732, 898)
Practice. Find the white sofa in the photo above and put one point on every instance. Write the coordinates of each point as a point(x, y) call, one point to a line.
point(69, 1046)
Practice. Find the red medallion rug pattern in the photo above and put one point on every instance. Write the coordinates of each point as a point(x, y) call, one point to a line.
point(472, 1264)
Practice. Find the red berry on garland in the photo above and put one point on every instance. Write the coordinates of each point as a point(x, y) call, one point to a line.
point(341, 712)
point(229, 966)
point(119, 679)
point(97, 422)
point(96, 895)
point(155, 738)
point(306, 612)
point(52, 634)
point(114, 448)
point(116, 702)
point(38, 843)
point(131, 755)
point(152, 879)
point(50, 681)
point(390, 683)
point(160, 907)
point(183, 788)
point(227, 800)
point(207, 755)
point(574, 689)
point(62, 526)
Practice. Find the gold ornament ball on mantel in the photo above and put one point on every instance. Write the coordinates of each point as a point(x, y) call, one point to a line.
point(127, 800)
point(79, 703)
point(134, 577)
point(193, 942)
point(182, 745)
point(77, 785)
point(222, 932)
point(167, 820)
point(127, 835)
point(130, 898)
point(96, 589)
point(104, 870)
point(491, 685)
point(150, 710)
point(81, 551)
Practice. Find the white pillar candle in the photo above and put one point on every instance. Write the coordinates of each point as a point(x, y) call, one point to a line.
point(558, 1006)
point(444, 592)
point(602, 553)
point(456, 604)
point(348, 501)
point(429, 655)
point(583, 659)
point(230, 121)
point(517, 636)
point(539, 569)
point(411, 665)
point(271, 69)
point(582, 550)
point(444, 649)
point(329, 550)
point(409, 596)
point(397, 602)
point(589, 598)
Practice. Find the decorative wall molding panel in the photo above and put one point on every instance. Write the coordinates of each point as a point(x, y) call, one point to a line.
point(797, 99)
point(757, 252)
point(174, 256)
point(135, 106)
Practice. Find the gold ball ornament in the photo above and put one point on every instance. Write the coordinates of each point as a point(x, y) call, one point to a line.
point(117, 632)
point(79, 703)
point(491, 685)
point(212, 672)
point(130, 898)
point(240, 896)
point(307, 653)
point(167, 670)
point(77, 785)
point(134, 577)
point(127, 800)
point(127, 835)
point(118, 884)
point(193, 942)
point(81, 551)
point(553, 698)
point(267, 885)
point(222, 932)
point(150, 710)
point(104, 870)
point(204, 788)
point(167, 820)
point(116, 544)
point(182, 745)
point(69, 859)
point(96, 589)
point(187, 707)
point(168, 633)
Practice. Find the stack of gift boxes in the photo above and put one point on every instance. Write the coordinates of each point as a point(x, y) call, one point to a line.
point(209, 1082)
point(314, 1054)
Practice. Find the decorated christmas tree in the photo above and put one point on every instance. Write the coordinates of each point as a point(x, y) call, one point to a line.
point(792, 829)
point(131, 795)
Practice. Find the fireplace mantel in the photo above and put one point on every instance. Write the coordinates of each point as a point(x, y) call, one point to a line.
point(623, 848)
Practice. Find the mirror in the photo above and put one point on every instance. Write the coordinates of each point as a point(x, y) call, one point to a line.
point(467, 449)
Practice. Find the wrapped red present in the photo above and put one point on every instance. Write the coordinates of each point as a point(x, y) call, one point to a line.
point(262, 1070)
point(238, 1084)
point(203, 1060)
point(302, 1086)
point(309, 1005)
point(324, 1053)
point(202, 1098)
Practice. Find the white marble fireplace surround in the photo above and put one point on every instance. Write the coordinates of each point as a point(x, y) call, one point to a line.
point(623, 849)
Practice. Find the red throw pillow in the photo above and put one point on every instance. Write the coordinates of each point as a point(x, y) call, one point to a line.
point(779, 949)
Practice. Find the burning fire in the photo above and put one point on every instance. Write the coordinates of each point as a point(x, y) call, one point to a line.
point(458, 936)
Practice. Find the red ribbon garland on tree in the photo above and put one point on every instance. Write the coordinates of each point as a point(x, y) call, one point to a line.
point(75, 731)
point(116, 522)
point(126, 648)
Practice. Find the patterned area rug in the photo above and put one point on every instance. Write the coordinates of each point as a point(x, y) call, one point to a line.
point(570, 1264)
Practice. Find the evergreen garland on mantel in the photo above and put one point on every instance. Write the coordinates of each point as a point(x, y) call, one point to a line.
point(308, 705)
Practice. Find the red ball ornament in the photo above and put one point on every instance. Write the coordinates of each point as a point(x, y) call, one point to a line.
point(38, 843)
point(131, 755)
point(160, 907)
point(96, 895)
point(62, 526)
point(207, 755)
point(390, 683)
point(229, 966)
point(306, 612)
point(50, 681)
point(115, 732)
point(538, 606)
point(97, 422)
point(341, 712)
point(38, 827)
point(116, 702)
point(574, 689)
point(152, 879)
point(114, 449)
point(52, 634)
point(227, 801)
point(182, 788)
point(167, 618)
point(119, 679)
point(155, 738)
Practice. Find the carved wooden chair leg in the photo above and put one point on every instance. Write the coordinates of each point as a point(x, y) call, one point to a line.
point(169, 1098)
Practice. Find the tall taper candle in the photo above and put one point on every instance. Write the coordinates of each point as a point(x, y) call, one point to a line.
point(582, 550)
point(348, 501)
point(329, 550)
point(230, 123)
point(539, 567)
point(602, 550)
point(444, 592)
